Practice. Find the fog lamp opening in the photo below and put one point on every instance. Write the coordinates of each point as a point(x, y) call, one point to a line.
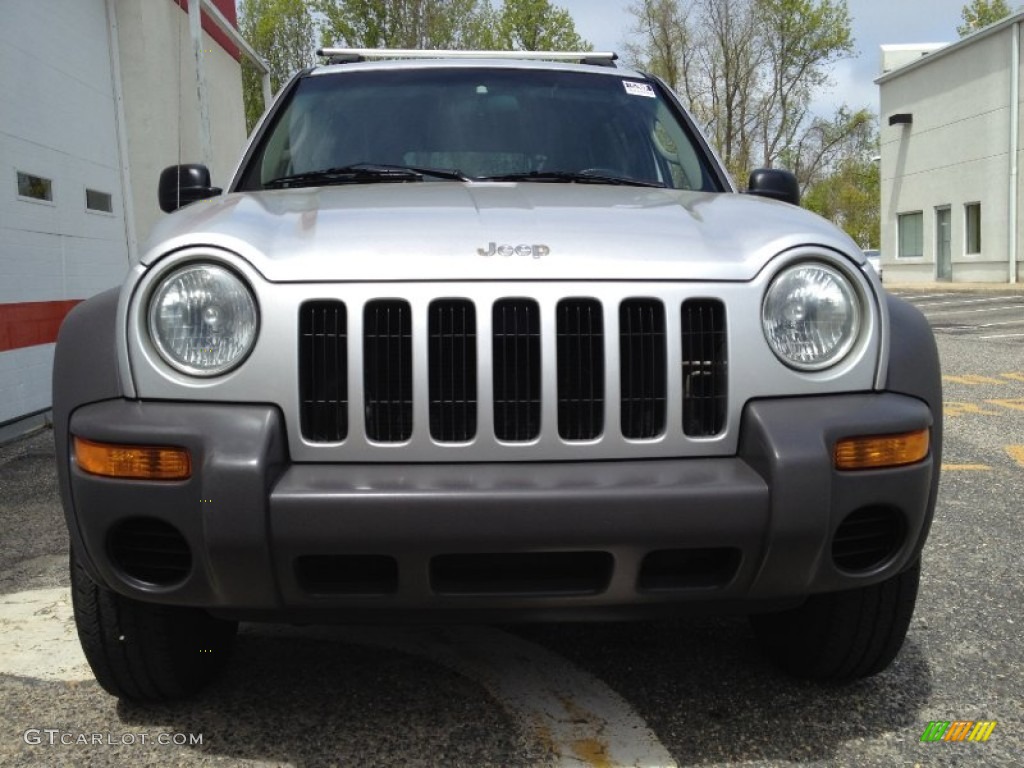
point(138, 462)
point(881, 451)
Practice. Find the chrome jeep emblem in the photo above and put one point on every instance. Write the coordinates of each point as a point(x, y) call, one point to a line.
point(493, 249)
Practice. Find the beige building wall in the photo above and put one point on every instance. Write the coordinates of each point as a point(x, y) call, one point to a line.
point(161, 102)
point(954, 153)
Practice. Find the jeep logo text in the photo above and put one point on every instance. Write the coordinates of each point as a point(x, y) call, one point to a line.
point(493, 249)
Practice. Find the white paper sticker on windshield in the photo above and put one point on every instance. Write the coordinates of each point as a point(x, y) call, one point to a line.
point(639, 89)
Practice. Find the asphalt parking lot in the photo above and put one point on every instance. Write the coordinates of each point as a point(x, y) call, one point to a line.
point(689, 692)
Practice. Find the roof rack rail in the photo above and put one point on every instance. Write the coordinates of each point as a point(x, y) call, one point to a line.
point(352, 55)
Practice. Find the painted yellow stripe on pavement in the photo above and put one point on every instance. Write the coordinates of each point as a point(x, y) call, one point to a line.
point(972, 378)
point(1016, 453)
point(966, 468)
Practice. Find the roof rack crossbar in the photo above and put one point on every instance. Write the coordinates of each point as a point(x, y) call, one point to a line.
point(351, 55)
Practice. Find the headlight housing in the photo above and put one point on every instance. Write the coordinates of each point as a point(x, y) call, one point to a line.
point(811, 316)
point(203, 319)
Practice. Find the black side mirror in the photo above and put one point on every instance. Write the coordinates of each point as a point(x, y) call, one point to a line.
point(184, 184)
point(776, 184)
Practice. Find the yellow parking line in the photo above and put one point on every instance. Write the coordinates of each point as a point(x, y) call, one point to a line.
point(1016, 404)
point(972, 378)
point(1016, 453)
point(966, 468)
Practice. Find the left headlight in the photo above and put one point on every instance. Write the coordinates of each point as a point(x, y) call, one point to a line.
point(811, 316)
point(203, 319)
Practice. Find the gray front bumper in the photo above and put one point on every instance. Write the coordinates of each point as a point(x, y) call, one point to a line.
point(248, 514)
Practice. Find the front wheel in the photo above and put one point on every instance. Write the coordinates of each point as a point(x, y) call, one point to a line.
point(144, 651)
point(842, 636)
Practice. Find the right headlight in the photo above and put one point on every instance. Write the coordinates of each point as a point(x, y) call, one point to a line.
point(203, 319)
point(811, 316)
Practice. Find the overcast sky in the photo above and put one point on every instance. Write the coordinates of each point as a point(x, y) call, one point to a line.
point(606, 23)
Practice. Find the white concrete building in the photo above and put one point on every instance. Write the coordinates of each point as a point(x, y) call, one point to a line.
point(950, 134)
point(96, 98)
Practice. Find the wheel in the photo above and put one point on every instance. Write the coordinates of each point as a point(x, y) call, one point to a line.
point(146, 652)
point(842, 636)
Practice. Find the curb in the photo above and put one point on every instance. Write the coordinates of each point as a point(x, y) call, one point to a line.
point(935, 287)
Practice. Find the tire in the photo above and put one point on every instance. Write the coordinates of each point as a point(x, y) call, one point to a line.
point(842, 636)
point(146, 652)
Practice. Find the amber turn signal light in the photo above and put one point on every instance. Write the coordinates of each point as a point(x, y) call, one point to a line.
point(136, 462)
point(881, 451)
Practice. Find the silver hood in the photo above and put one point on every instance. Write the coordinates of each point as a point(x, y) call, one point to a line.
point(445, 231)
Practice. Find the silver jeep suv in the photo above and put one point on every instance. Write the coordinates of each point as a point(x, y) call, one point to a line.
point(488, 339)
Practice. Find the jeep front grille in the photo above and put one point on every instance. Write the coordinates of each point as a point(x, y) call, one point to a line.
point(705, 364)
point(387, 370)
point(452, 367)
point(642, 367)
point(516, 325)
point(580, 333)
point(323, 366)
point(497, 376)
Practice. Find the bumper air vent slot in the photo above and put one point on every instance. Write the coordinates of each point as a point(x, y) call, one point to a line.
point(368, 575)
point(452, 363)
point(642, 368)
point(150, 550)
point(705, 367)
point(521, 573)
point(323, 371)
point(867, 538)
point(670, 569)
point(580, 331)
point(387, 370)
point(516, 366)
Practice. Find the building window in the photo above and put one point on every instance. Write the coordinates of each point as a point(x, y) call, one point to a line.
point(35, 187)
point(911, 232)
point(972, 213)
point(99, 201)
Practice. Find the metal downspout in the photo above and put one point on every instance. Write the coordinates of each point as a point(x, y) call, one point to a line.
point(196, 27)
point(1014, 148)
point(127, 194)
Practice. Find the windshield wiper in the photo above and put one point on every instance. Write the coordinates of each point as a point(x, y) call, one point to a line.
point(579, 177)
point(349, 174)
point(439, 173)
point(361, 173)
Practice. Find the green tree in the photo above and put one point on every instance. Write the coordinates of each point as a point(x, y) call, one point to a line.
point(844, 185)
point(802, 40)
point(449, 24)
point(747, 69)
point(850, 198)
point(399, 23)
point(283, 32)
point(661, 39)
point(537, 25)
point(981, 13)
point(828, 142)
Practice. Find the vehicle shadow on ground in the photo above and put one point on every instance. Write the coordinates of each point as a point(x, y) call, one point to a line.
point(699, 684)
point(311, 702)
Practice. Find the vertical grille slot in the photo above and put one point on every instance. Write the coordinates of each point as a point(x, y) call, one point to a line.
point(323, 371)
point(580, 332)
point(705, 367)
point(516, 367)
point(642, 371)
point(452, 370)
point(387, 370)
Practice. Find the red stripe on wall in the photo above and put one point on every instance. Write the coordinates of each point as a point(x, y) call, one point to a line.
point(227, 8)
point(30, 323)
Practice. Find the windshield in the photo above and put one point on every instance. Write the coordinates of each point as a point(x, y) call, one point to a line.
point(477, 123)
